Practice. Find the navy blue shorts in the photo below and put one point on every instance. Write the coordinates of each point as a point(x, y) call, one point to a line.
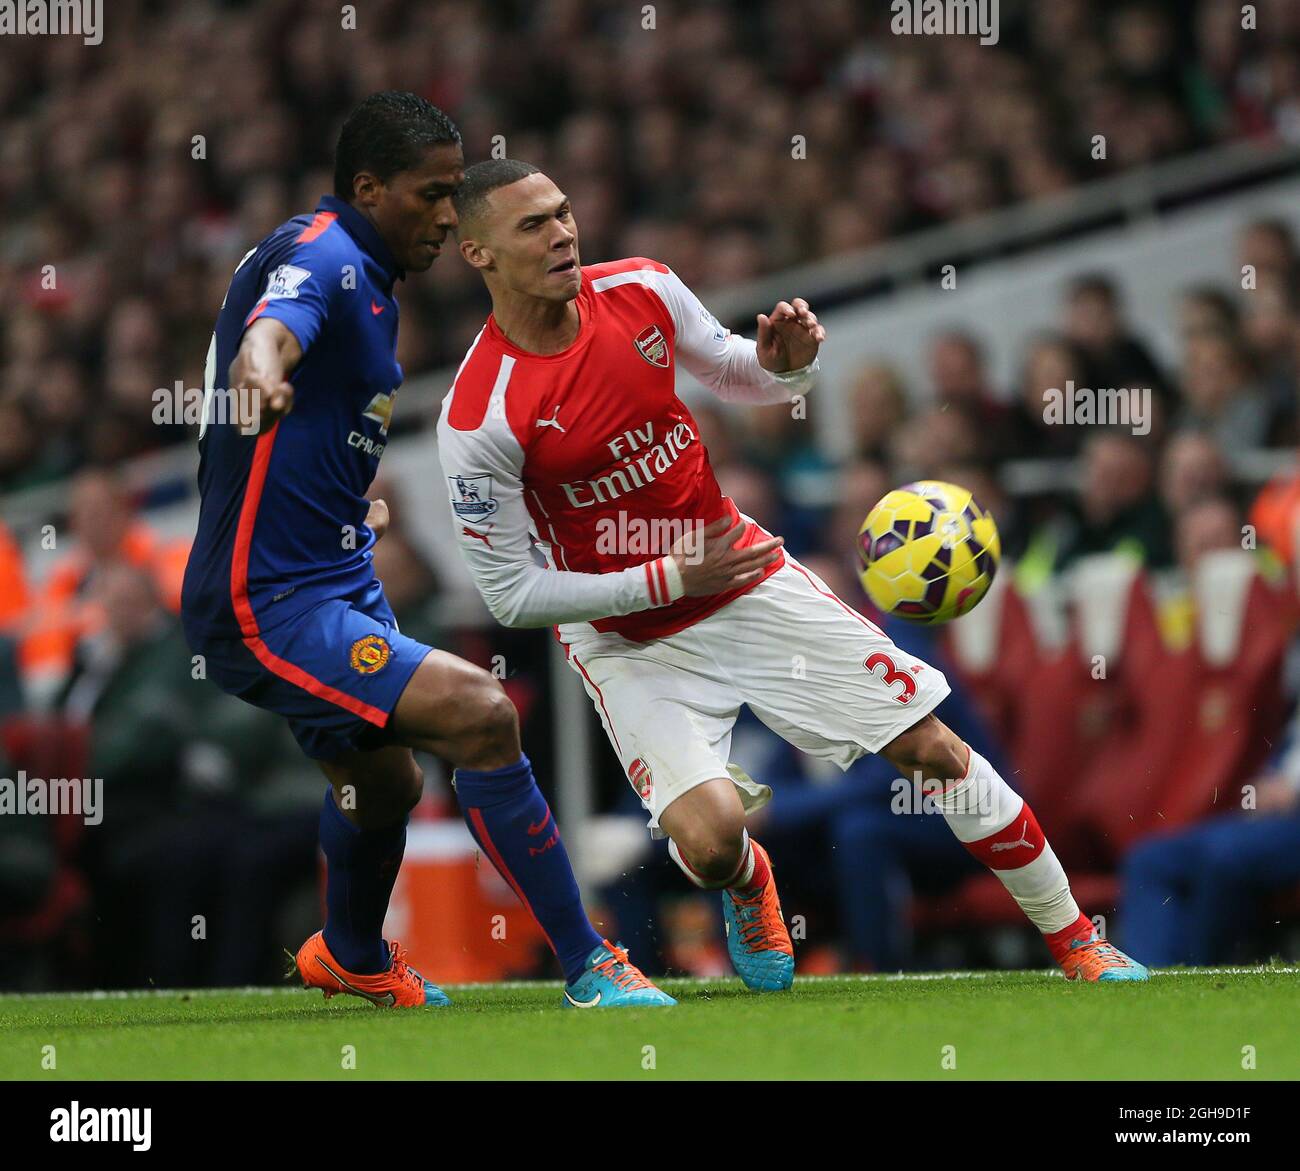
point(335, 671)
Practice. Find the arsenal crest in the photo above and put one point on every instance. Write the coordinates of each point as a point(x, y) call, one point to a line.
point(653, 346)
point(638, 772)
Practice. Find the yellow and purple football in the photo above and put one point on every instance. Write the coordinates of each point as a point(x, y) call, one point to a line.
point(929, 552)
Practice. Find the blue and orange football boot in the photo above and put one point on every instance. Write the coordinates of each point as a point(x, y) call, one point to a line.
point(398, 986)
point(1098, 961)
point(611, 980)
point(757, 939)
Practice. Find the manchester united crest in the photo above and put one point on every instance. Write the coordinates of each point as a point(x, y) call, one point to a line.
point(653, 346)
point(370, 654)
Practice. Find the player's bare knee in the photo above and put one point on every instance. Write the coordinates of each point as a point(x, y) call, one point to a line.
point(714, 863)
point(501, 720)
point(713, 851)
point(707, 826)
point(490, 738)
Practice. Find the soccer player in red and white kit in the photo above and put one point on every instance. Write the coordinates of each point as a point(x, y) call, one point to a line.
point(563, 431)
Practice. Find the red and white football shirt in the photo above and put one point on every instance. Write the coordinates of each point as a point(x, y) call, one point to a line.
point(583, 453)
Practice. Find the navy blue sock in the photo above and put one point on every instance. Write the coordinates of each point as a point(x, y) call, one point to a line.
point(360, 868)
point(512, 823)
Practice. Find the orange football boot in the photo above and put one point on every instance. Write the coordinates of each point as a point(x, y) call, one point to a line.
point(398, 986)
point(1098, 961)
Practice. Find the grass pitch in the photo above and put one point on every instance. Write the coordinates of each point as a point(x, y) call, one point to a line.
point(1018, 1025)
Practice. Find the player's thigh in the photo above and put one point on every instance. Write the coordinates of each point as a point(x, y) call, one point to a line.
point(667, 718)
point(335, 672)
point(458, 711)
point(374, 788)
point(817, 672)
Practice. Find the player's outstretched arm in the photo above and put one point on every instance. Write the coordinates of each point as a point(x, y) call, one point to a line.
point(268, 354)
point(780, 365)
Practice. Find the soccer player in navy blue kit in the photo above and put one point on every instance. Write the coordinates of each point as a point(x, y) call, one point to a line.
point(280, 594)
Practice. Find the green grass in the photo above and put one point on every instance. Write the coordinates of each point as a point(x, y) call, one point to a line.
point(1002, 1025)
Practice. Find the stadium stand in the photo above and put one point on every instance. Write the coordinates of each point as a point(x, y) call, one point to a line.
point(1127, 270)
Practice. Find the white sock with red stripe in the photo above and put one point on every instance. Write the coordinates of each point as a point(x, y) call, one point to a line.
point(997, 826)
point(746, 879)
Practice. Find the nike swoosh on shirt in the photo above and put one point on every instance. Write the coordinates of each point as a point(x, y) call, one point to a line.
point(534, 830)
point(376, 308)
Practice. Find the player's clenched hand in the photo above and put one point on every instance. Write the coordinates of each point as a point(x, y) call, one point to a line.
point(275, 401)
point(789, 336)
point(377, 518)
point(264, 397)
point(710, 564)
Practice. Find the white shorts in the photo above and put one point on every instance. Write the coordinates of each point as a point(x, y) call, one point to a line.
point(811, 668)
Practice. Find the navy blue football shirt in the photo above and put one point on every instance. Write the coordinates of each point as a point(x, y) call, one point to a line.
point(282, 520)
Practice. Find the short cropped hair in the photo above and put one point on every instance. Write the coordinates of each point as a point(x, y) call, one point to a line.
point(482, 179)
point(388, 133)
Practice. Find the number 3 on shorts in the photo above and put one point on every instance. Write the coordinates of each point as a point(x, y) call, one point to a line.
point(892, 675)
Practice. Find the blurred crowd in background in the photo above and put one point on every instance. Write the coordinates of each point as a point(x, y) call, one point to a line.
point(674, 143)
